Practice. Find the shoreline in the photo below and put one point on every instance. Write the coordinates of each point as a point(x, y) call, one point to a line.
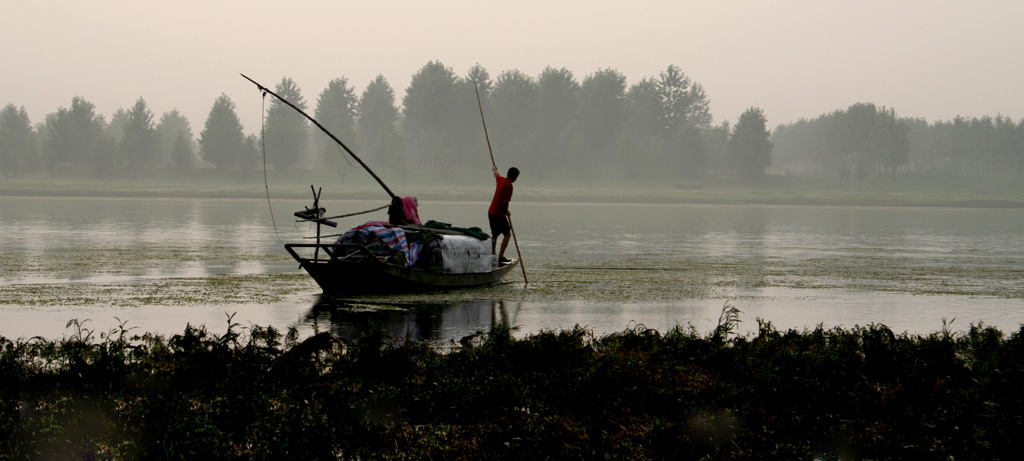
point(544, 195)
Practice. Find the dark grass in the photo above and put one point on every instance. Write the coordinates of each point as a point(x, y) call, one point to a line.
point(864, 392)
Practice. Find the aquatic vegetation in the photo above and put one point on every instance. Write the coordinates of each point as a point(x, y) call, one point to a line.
point(637, 394)
point(175, 291)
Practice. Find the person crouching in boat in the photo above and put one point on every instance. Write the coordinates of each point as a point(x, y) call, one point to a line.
point(498, 213)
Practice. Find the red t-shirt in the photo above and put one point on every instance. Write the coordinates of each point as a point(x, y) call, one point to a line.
point(502, 195)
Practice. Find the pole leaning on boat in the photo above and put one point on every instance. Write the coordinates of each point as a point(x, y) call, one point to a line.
point(321, 127)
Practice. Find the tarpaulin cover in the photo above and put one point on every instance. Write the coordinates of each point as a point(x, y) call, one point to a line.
point(380, 232)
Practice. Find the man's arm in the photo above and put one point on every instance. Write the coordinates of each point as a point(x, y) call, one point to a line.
point(494, 168)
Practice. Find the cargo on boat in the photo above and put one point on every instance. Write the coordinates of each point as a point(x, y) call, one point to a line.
point(396, 257)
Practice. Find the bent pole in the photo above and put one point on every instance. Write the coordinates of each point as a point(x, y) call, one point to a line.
point(321, 127)
point(482, 120)
point(488, 137)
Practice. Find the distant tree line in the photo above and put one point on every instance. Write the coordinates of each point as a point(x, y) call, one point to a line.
point(77, 139)
point(860, 141)
point(552, 125)
point(864, 141)
point(984, 145)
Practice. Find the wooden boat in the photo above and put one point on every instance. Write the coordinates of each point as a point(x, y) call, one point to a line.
point(363, 272)
point(355, 267)
point(361, 262)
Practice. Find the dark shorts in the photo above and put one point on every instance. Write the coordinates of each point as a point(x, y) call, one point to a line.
point(499, 225)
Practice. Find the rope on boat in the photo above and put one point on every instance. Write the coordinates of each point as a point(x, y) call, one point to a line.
point(266, 185)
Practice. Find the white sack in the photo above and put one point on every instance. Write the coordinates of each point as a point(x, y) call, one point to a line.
point(463, 254)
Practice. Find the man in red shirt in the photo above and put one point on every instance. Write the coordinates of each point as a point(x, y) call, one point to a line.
point(498, 213)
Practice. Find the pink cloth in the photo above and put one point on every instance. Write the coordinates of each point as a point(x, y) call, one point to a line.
point(409, 206)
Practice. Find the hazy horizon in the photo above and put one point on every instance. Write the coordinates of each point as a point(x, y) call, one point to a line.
point(793, 59)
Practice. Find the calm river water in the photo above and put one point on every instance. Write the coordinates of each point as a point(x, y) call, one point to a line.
point(157, 265)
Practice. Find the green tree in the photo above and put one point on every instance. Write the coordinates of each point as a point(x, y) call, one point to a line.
point(959, 134)
point(428, 115)
point(802, 146)
point(336, 109)
point(700, 109)
point(716, 142)
point(602, 115)
point(684, 152)
point(182, 157)
point(286, 135)
point(868, 139)
point(646, 141)
point(479, 75)
point(557, 105)
point(514, 100)
point(249, 157)
point(74, 138)
point(645, 109)
point(173, 126)
point(36, 162)
point(1011, 144)
point(469, 143)
point(113, 159)
point(140, 145)
point(472, 135)
point(892, 148)
point(673, 89)
point(683, 121)
point(864, 140)
point(115, 129)
point(221, 142)
point(377, 124)
point(851, 137)
point(105, 160)
point(682, 101)
point(17, 141)
point(749, 147)
point(57, 143)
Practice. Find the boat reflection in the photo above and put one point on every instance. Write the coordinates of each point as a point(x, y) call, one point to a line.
point(420, 321)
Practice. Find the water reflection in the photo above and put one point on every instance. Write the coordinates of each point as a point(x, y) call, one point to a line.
point(164, 263)
point(427, 321)
point(785, 308)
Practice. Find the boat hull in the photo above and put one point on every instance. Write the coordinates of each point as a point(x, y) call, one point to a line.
point(365, 274)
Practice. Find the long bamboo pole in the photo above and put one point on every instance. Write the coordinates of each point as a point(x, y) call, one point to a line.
point(489, 149)
point(321, 127)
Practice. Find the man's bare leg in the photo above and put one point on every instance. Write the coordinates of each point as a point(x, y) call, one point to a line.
point(504, 245)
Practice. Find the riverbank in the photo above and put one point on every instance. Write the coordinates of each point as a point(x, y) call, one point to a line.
point(910, 190)
point(638, 394)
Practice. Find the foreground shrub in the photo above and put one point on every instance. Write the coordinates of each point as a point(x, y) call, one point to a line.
point(840, 393)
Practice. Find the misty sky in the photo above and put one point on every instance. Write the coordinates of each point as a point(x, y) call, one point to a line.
point(794, 59)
